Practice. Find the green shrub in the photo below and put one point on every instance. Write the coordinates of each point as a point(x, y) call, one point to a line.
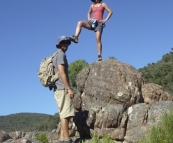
point(96, 139)
point(162, 133)
point(106, 139)
point(42, 138)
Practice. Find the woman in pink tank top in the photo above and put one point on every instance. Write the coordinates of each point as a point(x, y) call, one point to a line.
point(95, 22)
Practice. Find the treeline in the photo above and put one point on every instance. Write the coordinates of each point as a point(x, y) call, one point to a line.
point(28, 122)
point(161, 72)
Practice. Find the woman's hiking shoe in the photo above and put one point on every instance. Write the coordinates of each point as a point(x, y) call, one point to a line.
point(74, 39)
point(99, 58)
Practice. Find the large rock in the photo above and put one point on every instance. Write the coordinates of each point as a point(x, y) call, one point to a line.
point(16, 135)
point(107, 92)
point(153, 92)
point(112, 98)
point(21, 140)
point(141, 117)
point(110, 82)
point(106, 89)
point(4, 136)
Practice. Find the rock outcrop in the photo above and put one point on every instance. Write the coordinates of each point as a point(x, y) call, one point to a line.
point(22, 137)
point(4, 136)
point(153, 92)
point(142, 117)
point(114, 99)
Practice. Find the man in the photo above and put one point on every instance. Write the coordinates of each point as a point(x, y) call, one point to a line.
point(63, 93)
point(96, 23)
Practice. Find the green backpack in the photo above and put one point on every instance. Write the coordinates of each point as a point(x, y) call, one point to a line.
point(46, 72)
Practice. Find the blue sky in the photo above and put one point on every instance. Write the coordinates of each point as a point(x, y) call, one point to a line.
point(138, 33)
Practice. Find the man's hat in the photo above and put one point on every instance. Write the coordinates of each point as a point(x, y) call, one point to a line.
point(94, 0)
point(63, 38)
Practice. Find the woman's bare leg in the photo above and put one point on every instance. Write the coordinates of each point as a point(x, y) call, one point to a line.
point(79, 26)
point(99, 44)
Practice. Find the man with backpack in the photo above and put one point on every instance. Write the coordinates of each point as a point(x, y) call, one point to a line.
point(63, 92)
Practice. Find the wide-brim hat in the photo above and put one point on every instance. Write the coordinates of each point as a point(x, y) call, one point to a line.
point(94, 0)
point(63, 38)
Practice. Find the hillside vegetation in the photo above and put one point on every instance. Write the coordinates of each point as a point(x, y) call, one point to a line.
point(161, 133)
point(161, 72)
point(28, 122)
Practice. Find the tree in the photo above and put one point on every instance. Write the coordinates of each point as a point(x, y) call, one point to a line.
point(160, 72)
point(74, 69)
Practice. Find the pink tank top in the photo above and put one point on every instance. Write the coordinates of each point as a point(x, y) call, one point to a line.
point(97, 12)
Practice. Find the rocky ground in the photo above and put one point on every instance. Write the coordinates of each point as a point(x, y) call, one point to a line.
point(113, 99)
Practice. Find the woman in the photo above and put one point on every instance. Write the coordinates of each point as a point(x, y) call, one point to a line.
point(95, 23)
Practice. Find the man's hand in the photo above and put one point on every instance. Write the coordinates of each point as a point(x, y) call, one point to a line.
point(71, 93)
point(61, 69)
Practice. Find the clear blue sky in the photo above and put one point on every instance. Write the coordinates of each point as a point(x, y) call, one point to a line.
point(139, 32)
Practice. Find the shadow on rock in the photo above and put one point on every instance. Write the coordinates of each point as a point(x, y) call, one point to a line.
point(80, 122)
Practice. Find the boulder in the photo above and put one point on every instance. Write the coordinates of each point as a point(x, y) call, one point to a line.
point(141, 117)
point(16, 135)
point(4, 136)
point(153, 92)
point(21, 140)
point(110, 82)
point(105, 90)
point(112, 98)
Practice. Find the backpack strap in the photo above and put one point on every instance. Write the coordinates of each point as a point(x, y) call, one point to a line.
point(55, 77)
point(53, 55)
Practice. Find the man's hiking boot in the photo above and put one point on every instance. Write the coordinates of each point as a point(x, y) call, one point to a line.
point(60, 140)
point(74, 39)
point(68, 141)
point(99, 58)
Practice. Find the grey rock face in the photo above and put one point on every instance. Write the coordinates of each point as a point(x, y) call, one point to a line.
point(17, 141)
point(112, 95)
point(142, 117)
point(4, 136)
point(16, 135)
point(106, 89)
point(112, 98)
point(111, 82)
point(153, 92)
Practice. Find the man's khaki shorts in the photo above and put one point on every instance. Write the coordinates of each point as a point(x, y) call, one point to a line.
point(64, 102)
